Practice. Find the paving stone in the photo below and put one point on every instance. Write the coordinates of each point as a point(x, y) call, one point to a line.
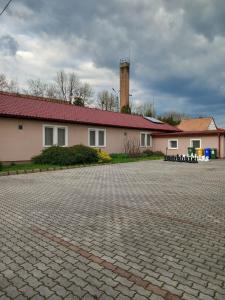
point(79, 281)
point(95, 292)
point(76, 290)
point(60, 290)
point(4, 297)
point(216, 288)
point(187, 289)
point(110, 282)
point(28, 291)
point(3, 282)
point(37, 297)
point(12, 292)
point(154, 281)
point(32, 281)
point(186, 296)
point(141, 291)
point(105, 297)
point(205, 297)
point(8, 274)
point(125, 290)
point(44, 291)
point(55, 297)
point(123, 281)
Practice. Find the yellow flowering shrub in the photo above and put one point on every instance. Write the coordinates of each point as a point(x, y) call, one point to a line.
point(103, 156)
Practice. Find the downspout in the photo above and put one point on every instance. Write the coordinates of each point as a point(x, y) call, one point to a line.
point(219, 144)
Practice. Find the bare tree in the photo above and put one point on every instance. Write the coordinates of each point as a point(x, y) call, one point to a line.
point(62, 82)
point(8, 85)
point(85, 92)
point(106, 100)
point(66, 86)
point(52, 91)
point(13, 86)
point(36, 88)
point(132, 147)
point(71, 88)
point(3, 82)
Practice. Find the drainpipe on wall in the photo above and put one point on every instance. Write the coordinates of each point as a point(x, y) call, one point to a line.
point(219, 135)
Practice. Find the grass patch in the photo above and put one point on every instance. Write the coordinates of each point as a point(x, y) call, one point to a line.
point(123, 158)
point(28, 166)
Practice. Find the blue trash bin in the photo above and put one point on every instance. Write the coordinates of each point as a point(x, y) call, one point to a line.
point(207, 152)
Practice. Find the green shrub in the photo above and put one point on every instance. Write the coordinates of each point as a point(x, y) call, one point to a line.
point(126, 109)
point(158, 153)
point(1, 166)
point(64, 156)
point(148, 152)
point(84, 154)
point(103, 156)
point(119, 155)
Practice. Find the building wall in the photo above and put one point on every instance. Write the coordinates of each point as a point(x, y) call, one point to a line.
point(20, 145)
point(161, 144)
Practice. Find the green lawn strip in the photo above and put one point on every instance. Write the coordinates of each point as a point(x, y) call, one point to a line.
point(121, 159)
point(116, 159)
point(27, 166)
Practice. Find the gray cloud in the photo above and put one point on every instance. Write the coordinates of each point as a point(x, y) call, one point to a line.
point(177, 47)
point(8, 45)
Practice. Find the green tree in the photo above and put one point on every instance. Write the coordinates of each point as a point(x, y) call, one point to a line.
point(172, 118)
point(126, 109)
point(78, 101)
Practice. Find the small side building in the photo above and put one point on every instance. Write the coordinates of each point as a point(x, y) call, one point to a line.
point(196, 133)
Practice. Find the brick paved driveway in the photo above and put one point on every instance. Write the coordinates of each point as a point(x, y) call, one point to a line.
point(147, 230)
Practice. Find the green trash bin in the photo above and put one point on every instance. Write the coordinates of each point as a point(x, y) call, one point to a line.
point(213, 153)
point(191, 151)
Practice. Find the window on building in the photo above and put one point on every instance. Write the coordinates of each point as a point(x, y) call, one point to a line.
point(55, 135)
point(92, 138)
point(173, 144)
point(196, 143)
point(97, 137)
point(61, 136)
point(145, 139)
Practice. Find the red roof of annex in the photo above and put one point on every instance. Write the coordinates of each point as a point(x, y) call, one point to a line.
point(31, 107)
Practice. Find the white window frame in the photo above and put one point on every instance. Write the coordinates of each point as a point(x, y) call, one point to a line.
point(97, 137)
point(145, 145)
point(191, 142)
point(55, 135)
point(169, 145)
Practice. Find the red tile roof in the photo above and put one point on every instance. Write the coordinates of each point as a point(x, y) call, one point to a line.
point(190, 133)
point(23, 106)
point(196, 124)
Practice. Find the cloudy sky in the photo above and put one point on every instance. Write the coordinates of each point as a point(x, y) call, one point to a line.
point(176, 47)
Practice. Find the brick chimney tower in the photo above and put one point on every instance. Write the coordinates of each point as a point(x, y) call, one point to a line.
point(124, 82)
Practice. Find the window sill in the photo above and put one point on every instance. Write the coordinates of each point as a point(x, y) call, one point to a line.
point(145, 146)
point(44, 146)
point(97, 146)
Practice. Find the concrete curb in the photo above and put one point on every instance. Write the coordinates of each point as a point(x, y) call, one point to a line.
point(19, 172)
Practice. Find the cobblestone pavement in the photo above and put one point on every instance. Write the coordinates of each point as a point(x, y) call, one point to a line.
point(147, 230)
